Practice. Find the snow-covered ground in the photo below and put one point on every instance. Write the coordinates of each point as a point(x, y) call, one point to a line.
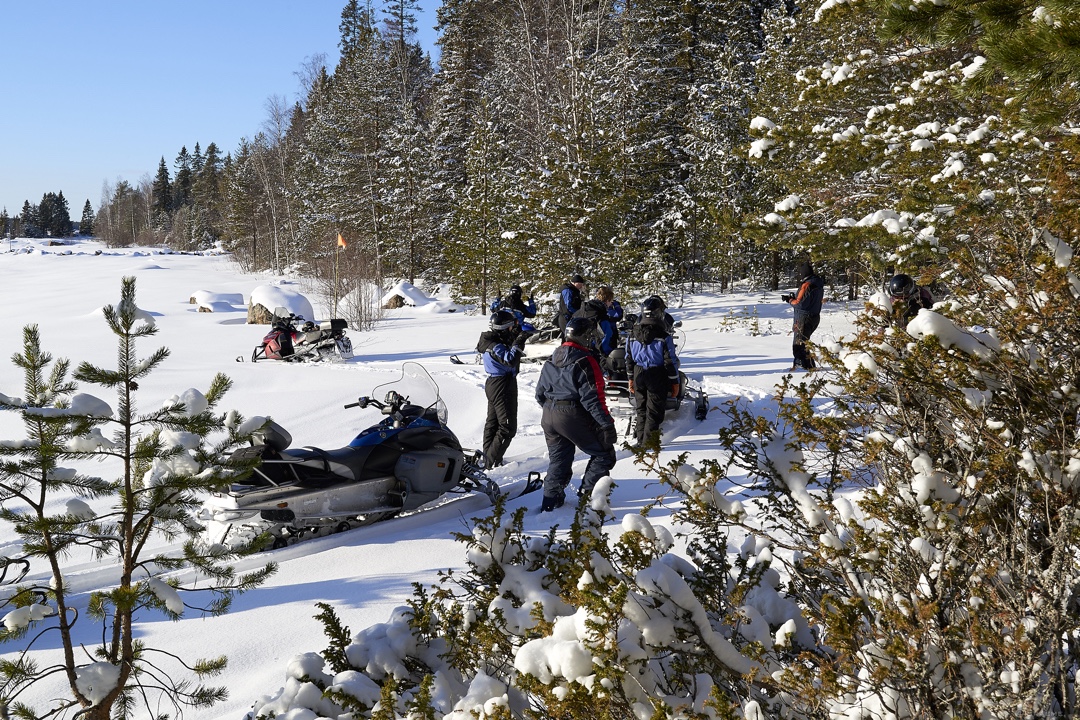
point(737, 346)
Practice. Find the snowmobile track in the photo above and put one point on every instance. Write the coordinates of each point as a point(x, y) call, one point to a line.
point(282, 535)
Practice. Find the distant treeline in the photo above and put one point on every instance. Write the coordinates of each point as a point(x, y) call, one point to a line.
point(49, 218)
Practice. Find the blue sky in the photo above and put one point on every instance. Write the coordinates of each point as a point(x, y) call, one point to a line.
point(96, 91)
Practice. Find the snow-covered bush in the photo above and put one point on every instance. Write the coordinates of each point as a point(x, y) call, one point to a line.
point(921, 505)
point(604, 622)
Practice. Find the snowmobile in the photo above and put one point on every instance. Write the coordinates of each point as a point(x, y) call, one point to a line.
point(294, 339)
point(407, 460)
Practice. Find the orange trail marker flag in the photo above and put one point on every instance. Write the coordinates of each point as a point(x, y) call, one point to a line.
point(341, 241)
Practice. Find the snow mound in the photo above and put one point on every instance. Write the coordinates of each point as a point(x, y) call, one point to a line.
point(275, 296)
point(413, 296)
point(217, 302)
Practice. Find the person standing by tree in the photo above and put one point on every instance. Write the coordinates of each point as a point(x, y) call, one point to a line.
point(501, 348)
point(569, 301)
point(575, 415)
point(807, 303)
point(908, 297)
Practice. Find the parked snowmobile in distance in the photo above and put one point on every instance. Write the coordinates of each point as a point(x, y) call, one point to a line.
point(405, 461)
point(293, 339)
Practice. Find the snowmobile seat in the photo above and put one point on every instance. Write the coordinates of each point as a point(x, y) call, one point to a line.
point(274, 436)
point(334, 325)
point(315, 467)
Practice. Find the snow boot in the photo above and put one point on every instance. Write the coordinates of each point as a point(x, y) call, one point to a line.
point(552, 502)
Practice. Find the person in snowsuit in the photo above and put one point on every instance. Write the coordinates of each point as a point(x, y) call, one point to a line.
point(908, 297)
point(501, 348)
point(607, 333)
point(614, 310)
point(514, 302)
point(807, 303)
point(569, 301)
point(575, 414)
point(656, 305)
point(653, 369)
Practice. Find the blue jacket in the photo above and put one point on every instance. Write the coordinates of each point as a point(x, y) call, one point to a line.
point(615, 312)
point(500, 357)
point(520, 308)
point(569, 300)
point(651, 346)
point(573, 373)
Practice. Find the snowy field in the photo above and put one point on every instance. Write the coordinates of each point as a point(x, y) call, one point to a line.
point(737, 346)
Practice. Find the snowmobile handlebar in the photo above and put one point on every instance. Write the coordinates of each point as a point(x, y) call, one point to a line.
point(389, 405)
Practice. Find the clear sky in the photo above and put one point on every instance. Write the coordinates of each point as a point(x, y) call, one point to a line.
point(99, 91)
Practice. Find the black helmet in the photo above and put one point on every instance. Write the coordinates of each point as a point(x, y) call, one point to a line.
point(654, 302)
point(579, 330)
point(653, 307)
point(901, 286)
point(503, 320)
point(514, 292)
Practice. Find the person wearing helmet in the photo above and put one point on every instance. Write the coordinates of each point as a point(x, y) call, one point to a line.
point(569, 300)
point(653, 369)
point(807, 303)
point(607, 337)
point(575, 415)
point(525, 310)
point(654, 306)
point(501, 348)
point(908, 297)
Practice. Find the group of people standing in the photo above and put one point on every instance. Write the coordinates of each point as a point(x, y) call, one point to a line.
point(573, 383)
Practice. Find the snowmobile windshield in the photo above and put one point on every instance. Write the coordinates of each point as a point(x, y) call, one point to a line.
point(418, 386)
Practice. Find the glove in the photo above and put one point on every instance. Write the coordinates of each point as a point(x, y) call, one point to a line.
point(519, 340)
point(608, 435)
point(786, 298)
point(674, 389)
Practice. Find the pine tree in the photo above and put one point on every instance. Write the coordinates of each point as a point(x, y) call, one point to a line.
point(166, 458)
point(1031, 48)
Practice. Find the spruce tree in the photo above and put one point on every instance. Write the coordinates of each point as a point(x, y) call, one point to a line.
point(182, 184)
point(162, 206)
point(86, 222)
point(31, 221)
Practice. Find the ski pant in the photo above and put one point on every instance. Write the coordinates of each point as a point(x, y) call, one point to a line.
point(651, 389)
point(568, 426)
point(501, 424)
point(804, 327)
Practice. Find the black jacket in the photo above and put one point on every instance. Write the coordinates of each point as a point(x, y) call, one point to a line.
point(573, 373)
